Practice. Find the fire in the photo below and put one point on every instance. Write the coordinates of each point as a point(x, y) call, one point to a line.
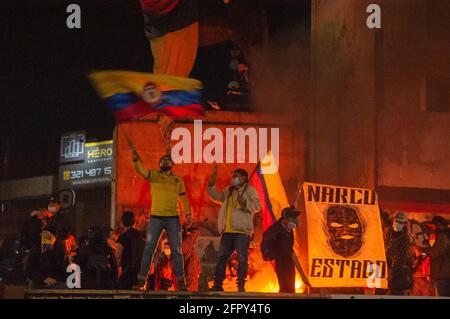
point(265, 280)
point(272, 286)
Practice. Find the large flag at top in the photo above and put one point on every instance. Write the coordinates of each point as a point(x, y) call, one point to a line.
point(131, 95)
point(271, 191)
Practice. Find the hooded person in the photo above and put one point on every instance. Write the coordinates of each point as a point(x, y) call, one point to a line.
point(278, 245)
point(399, 257)
point(239, 202)
point(166, 189)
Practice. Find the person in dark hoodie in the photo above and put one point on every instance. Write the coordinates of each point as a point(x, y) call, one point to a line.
point(440, 257)
point(399, 257)
point(278, 245)
point(97, 262)
point(46, 265)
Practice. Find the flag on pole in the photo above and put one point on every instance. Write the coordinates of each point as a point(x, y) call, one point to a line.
point(271, 191)
point(131, 95)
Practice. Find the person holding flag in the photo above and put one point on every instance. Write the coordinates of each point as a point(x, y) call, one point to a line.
point(167, 188)
point(239, 202)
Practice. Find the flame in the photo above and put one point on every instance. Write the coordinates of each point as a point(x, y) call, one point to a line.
point(272, 286)
point(264, 281)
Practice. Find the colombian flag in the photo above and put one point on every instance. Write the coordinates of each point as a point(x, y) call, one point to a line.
point(271, 191)
point(133, 94)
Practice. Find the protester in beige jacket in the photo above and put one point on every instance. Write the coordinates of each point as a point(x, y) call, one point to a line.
point(239, 202)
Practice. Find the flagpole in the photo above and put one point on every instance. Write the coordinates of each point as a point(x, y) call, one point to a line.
point(249, 179)
point(297, 264)
point(130, 143)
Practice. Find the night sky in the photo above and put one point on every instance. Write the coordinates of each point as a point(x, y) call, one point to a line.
point(44, 87)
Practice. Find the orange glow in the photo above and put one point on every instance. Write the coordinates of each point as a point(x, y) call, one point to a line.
point(265, 280)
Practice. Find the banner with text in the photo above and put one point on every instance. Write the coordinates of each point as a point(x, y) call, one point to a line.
point(345, 240)
point(95, 170)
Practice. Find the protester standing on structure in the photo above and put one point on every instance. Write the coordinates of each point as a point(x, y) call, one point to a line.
point(166, 189)
point(278, 245)
point(239, 202)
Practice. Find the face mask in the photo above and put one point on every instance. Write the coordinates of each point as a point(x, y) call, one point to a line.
point(165, 168)
point(397, 227)
point(235, 181)
point(291, 225)
point(52, 209)
point(167, 251)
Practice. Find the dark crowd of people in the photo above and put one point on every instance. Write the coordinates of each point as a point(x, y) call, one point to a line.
point(420, 270)
point(106, 258)
point(164, 257)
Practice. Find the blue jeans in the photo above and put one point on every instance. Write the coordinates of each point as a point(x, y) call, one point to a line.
point(442, 287)
point(228, 243)
point(155, 227)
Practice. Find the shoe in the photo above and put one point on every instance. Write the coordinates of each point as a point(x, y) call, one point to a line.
point(241, 289)
point(215, 288)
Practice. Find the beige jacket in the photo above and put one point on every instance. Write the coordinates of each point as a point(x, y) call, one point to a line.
point(241, 218)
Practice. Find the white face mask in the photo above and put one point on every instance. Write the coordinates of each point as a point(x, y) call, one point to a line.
point(52, 209)
point(291, 225)
point(397, 227)
point(235, 181)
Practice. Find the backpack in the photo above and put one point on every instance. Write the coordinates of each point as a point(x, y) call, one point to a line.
point(267, 250)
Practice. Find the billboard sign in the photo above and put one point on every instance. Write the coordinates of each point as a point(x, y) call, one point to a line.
point(72, 147)
point(94, 170)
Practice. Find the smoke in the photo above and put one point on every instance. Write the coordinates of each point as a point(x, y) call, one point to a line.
point(279, 76)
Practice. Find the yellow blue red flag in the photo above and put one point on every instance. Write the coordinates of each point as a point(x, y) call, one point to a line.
point(272, 194)
point(131, 95)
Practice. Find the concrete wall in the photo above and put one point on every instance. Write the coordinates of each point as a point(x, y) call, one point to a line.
point(341, 141)
point(132, 191)
point(414, 148)
point(28, 187)
point(362, 77)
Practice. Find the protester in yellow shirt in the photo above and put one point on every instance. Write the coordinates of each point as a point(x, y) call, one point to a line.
point(166, 189)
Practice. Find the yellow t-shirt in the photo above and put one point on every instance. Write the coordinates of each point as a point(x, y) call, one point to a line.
point(165, 192)
point(230, 203)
